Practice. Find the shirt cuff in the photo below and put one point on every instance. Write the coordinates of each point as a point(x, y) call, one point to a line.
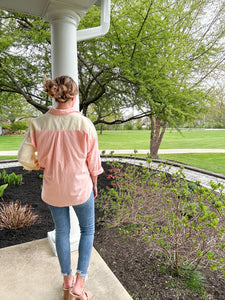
point(98, 172)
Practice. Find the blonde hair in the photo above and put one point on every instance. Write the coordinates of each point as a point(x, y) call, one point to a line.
point(61, 88)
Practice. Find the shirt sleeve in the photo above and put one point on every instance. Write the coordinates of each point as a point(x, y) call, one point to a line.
point(93, 156)
point(26, 154)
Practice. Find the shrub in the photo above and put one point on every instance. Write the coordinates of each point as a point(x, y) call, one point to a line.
point(191, 226)
point(138, 124)
point(182, 221)
point(3, 175)
point(121, 201)
point(15, 215)
point(128, 126)
point(11, 179)
point(19, 125)
point(5, 126)
point(2, 188)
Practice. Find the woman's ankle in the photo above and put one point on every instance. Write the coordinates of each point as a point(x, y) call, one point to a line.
point(68, 281)
point(79, 284)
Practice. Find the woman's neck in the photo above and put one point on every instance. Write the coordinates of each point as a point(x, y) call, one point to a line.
point(68, 104)
point(64, 105)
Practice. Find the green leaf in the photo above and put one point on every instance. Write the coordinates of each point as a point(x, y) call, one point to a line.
point(210, 255)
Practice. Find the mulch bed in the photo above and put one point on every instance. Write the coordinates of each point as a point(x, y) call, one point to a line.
point(131, 260)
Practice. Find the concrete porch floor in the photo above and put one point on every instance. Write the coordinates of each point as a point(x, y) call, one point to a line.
point(31, 271)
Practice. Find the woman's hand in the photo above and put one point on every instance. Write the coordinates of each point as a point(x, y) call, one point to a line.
point(95, 189)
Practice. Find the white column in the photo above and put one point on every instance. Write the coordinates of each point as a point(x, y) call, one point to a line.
point(64, 23)
point(64, 62)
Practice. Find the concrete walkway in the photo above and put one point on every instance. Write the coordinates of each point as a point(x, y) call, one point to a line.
point(30, 271)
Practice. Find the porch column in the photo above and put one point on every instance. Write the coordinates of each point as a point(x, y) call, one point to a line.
point(64, 23)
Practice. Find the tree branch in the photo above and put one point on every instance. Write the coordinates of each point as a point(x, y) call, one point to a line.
point(20, 91)
point(140, 30)
point(119, 121)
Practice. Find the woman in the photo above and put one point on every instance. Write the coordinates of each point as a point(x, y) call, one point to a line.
point(67, 147)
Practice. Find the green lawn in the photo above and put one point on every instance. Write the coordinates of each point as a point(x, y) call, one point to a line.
point(214, 162)
point(10, 142)
point(124, 139)
point(8, 157)
point(140, 139)
point(194, 139)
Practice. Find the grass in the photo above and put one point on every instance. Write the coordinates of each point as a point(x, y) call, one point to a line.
point(140, 139)
point(10, 142)
point(195, 139)
point(214, 162)
point(5, 157)
point(124, 139)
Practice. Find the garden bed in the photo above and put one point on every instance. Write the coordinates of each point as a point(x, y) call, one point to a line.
point(143, 273)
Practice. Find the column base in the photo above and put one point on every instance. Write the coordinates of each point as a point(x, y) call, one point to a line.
point(74, 234)
point(74, 242)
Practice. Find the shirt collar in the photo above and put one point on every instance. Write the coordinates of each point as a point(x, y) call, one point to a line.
point(56, 111)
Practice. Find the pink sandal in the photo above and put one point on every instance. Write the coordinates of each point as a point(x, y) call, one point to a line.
point(84, 296)
point(66, 291)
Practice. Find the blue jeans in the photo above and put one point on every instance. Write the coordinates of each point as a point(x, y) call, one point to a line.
point(86, 218)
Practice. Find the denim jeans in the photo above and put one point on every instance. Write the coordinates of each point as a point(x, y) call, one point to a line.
point(86, 218)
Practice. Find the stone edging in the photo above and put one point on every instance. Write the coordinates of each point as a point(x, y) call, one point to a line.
point(168, 162)
point(171, 163)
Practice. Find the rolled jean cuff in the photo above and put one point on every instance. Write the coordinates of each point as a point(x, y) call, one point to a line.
point(82, 274)
point(68, 273)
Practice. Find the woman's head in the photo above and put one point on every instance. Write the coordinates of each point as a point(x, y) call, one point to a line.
point(62, 88)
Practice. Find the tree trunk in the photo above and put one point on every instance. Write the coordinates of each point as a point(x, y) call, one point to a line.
point(84, 111)
point(101, 129)
point(156, 135)
point(0, 126)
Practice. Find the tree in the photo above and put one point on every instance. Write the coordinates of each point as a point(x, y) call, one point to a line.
point(24, 57)
point(159, 57)
point(168, 55)
point(14, 108)
point(215, 117)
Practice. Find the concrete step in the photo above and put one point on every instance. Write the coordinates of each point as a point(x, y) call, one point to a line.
point(30, 271)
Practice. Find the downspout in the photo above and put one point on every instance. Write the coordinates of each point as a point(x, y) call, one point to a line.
point(95, 32)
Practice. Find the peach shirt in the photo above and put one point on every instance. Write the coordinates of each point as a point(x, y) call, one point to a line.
point(67, 147)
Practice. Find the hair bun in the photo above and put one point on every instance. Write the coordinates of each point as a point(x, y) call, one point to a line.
point(61, 88)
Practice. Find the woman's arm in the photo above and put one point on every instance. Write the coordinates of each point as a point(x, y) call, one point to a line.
point(26, 154)
point(94, 180)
